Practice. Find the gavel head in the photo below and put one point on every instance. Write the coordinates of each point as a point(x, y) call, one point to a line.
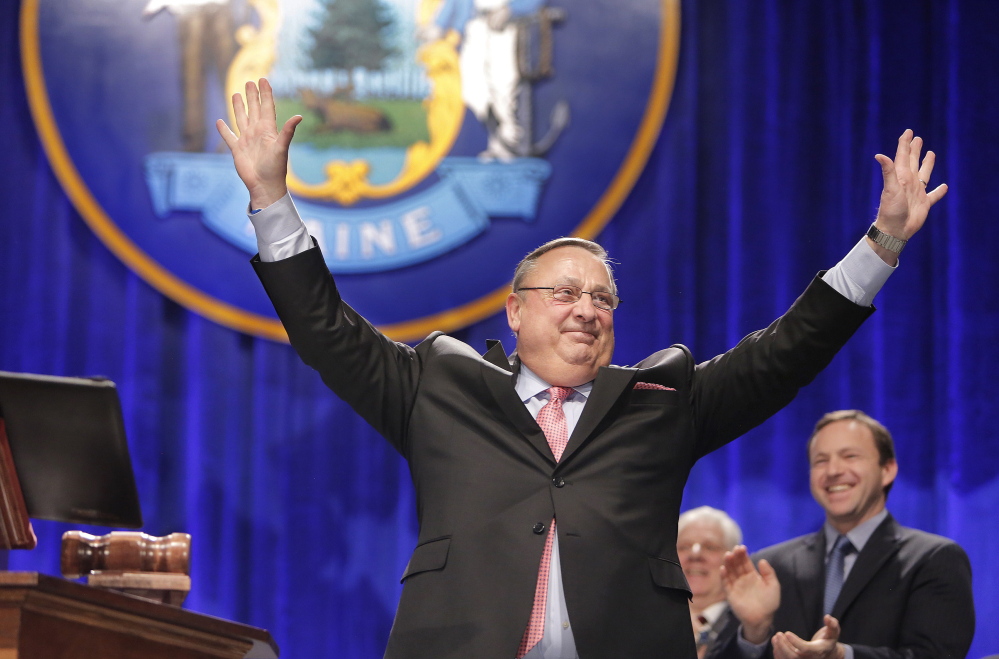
point(124, 551)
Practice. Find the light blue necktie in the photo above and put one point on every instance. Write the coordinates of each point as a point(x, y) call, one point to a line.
point(834, 572)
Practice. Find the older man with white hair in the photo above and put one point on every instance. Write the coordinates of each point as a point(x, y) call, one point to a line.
point(704, 534)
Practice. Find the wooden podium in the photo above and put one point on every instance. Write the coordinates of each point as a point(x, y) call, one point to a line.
point(43, 617)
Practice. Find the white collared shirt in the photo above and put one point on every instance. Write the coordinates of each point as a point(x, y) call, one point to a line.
point(713, 612)
point(557, 642)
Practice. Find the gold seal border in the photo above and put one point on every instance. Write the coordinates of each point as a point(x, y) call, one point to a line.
point(244, 321)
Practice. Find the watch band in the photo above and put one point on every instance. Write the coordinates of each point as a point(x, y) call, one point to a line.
point(891, 243)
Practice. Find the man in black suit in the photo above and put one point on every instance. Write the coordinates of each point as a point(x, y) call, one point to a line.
point(554, 543)
point(871, 587)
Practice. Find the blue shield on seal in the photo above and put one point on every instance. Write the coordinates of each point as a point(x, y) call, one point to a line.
point(442, 139)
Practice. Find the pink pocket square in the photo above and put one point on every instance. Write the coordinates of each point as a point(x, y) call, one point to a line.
point(649, 385)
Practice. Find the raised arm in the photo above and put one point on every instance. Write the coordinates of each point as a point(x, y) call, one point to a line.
point(374, 375)
point(905, 199)
point(259, 152)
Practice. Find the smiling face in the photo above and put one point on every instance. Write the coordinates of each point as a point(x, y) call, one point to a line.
point(701, 548)
point(564, 344)
point(846, 477)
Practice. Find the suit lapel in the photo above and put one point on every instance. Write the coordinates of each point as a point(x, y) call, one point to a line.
point(498, 375)
point(496, 355)
point(607, 388)
point(809, 566)
point(882, 545)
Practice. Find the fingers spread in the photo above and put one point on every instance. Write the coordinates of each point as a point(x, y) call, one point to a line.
point(937, 193)
point(288, 130)
point(267, 99)
point(927, 168)
point(887, 172)
point(902, 151)
point(915, 149)
point(228, 136)
point(239, 111)
point(252, 101)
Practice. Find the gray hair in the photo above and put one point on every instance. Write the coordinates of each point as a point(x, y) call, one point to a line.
point(730, 530)
point(528, 263)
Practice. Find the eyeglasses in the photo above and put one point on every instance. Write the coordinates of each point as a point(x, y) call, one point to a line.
point(706, 547)
point(569, 294)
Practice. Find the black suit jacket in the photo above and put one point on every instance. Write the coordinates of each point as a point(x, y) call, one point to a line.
point(728, 626)
point(487, 484)
point(907, 595)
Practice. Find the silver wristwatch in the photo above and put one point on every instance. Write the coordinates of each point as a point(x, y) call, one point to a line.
point(891, 243)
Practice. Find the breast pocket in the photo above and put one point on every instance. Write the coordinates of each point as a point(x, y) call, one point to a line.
point(668, 574)
point(652, 397)
point(431, 555)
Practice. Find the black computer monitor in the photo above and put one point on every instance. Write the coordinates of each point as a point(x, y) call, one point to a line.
point(67, 438)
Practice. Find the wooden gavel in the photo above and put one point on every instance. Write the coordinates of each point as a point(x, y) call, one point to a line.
point(124, 551)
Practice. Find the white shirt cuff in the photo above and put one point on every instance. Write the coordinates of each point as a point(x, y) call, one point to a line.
point(280, 230)
point(860, 275)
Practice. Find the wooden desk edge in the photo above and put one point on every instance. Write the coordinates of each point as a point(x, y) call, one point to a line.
point(264, 646)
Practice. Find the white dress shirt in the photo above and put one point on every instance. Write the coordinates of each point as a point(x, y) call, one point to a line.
point(557, 642)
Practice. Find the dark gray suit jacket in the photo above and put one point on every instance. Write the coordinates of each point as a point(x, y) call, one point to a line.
point(727, 626)
point(908, 594)
point(487, 484)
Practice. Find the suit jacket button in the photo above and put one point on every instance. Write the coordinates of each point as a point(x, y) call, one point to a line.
point(539, 528)
point(558, 481)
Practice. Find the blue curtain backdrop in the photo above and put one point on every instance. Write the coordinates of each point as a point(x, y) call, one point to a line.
point(303, 518)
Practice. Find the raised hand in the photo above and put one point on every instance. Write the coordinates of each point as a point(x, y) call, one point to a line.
point(905, 201)
point(753, 595)
point(260, 152)
point(824, 645)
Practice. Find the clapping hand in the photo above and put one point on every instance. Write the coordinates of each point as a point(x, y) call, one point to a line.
point(824, 645)
point(753, 595)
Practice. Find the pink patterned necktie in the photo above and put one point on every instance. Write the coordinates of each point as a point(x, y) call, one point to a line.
point(551, 418)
